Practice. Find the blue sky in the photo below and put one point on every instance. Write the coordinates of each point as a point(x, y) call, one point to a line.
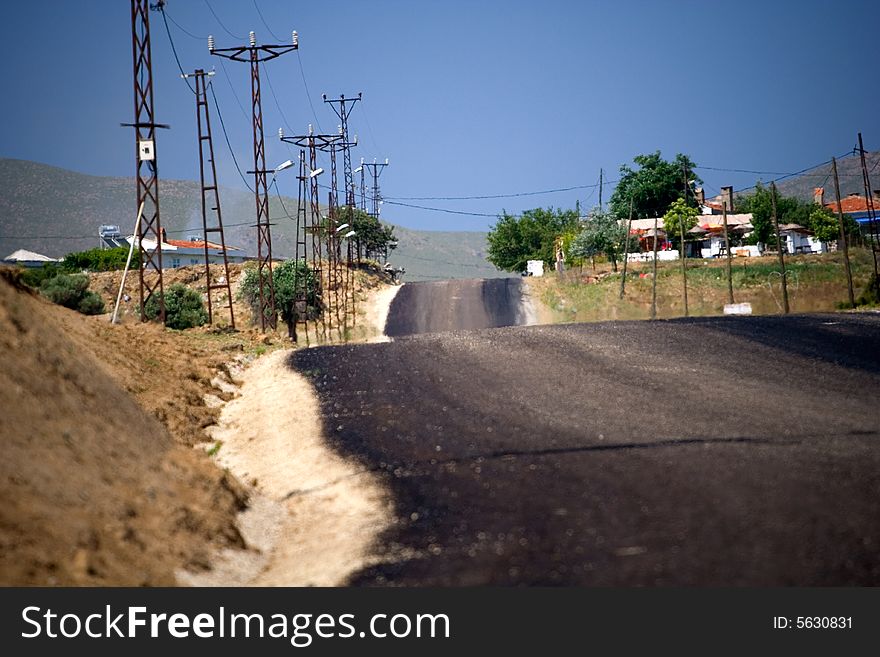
point(465, 98)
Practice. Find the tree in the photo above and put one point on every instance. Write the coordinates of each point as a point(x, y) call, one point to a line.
point(601, 233)
point(513, 241)
point(373, 237)
point(100, 260)
point(679, 218)
point(825, 226)
point(789, 210)
point(653, 186)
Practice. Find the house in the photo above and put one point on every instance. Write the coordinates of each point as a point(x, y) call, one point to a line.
point(856, 207)
point(25, 258)
point(180, 253)
point(797, 239)
point(705, 240)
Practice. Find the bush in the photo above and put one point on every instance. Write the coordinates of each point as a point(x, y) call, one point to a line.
point(100, 260)
point(72, 291)
point(184, 307)
point(284, 277)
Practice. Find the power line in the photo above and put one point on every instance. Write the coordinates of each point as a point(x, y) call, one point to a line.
point(306, 87)
point(275, 98)
point(184, 30)
point(260, 14)
point(234, 93)
point(494, 196)
point(226, 137)
point(174, 50)
point(225, 29)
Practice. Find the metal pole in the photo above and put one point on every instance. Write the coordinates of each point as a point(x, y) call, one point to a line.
point(137, 224)
point(626, 248)
point(843, 244)
point(150, 228)
point(779, 250)
point(727, 250)
point(255, 54)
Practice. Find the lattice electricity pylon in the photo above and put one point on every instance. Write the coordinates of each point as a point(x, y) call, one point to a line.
point(342, 106)
point(210, 192)
point(149, 229)
point(255, 54)
point(316, 225)
point(300, 309)
point(376, 168)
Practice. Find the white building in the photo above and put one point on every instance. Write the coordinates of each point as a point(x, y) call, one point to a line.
point(180, 253)
point(25, 258)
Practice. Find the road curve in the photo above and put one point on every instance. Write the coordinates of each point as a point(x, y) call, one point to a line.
point(454, 305)
point(712, 451)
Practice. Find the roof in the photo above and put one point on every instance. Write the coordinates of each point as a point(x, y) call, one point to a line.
point(173, 245)
point(23, 255)
point(852, 203)
point(794, 228)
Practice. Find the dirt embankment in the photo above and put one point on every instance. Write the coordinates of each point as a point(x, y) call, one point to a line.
point(102, 484)
point(96, 491)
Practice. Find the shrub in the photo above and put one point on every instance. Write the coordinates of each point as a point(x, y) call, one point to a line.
point(285, 278)
point(184, 307)
point(100, 260)
point(72, 291)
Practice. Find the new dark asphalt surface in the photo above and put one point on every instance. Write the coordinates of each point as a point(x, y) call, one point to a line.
point(715, 451)
point(456, 305)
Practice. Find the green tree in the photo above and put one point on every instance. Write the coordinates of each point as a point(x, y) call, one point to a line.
point(513, 241)
point(789, 210)
point(184, 307)
point(72, 291)
point(372, 236)
point(679, 218)
point(601, 233)
point(653, 186)
point(825, 226)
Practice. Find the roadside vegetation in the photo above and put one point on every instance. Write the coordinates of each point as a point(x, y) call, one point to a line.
point(816, 283)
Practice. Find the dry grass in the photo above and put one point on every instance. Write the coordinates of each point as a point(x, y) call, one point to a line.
point(816, 283)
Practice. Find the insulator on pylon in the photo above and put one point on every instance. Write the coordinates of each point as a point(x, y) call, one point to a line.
point(311, 129)
point(211, 43)
point(339, 127)
point(280, 133)
point(295, 39)
point(253, 38)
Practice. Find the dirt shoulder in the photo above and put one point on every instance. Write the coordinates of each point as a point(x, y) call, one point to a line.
point(108, 472)
point(315, 515)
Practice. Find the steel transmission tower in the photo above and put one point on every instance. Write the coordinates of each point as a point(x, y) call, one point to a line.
point(256, 54)
point(376, 169)
point(342, 106)
point(149, 229)
point(208, 177)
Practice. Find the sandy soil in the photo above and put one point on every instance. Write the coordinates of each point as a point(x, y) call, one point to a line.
point(95, 491)
point(314, 516)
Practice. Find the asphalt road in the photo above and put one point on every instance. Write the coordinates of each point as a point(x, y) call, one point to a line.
point(716, 451)
point(456, 305)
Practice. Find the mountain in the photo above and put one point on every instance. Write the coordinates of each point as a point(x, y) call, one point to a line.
point(55, 211)
point(849, 171)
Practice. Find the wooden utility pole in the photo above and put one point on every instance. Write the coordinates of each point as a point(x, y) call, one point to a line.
point(869, 204)
point(601, 173)
point(779, 249)
point(684, 276)
point(843, 244)
point(654, 276)
point(727, 242)
point(626, 248)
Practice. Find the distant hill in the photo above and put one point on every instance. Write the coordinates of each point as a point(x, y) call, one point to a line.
point(849, 171)
point(55, 211)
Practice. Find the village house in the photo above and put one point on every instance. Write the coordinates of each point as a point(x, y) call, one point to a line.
point(179, 253)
